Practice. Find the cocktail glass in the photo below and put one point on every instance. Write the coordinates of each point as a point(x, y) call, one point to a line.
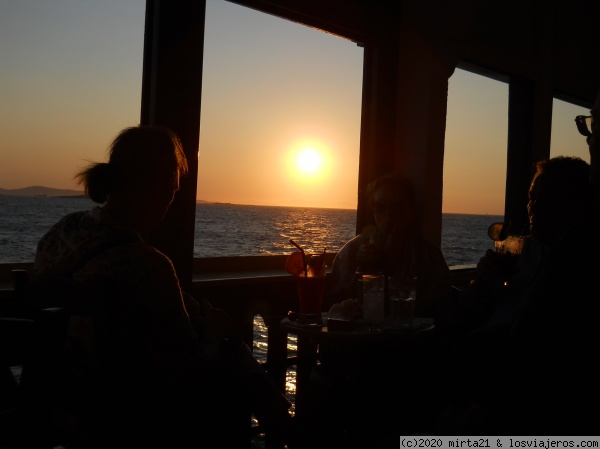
point(310, 272)
point(311, 289)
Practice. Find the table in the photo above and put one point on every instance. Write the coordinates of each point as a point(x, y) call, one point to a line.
point(309, 337)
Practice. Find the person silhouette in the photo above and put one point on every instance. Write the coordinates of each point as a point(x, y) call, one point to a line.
point(392, 244)
point(548, 318)
point(560, 197)
point(171, 370)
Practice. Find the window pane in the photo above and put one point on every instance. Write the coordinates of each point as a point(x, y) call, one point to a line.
point(271, 89)
point(71, 78)
point(565, 139)
point(474, 165)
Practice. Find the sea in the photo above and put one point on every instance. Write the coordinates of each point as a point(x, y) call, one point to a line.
point(236, 230)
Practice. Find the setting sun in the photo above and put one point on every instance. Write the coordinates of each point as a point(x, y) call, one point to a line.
point(309, 161)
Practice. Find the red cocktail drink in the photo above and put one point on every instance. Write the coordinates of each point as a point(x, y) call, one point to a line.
point(310, 297)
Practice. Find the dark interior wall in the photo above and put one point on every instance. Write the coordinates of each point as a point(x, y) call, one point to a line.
point(510, 36)
point(576, 47)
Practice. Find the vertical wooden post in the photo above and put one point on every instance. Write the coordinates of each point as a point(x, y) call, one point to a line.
point(171, 96)
point(378, 116)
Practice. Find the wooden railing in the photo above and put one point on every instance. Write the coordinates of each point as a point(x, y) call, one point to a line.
point(267, 291)
point(270, 298)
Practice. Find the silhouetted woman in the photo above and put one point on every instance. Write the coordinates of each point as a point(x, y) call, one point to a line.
point(168, 373)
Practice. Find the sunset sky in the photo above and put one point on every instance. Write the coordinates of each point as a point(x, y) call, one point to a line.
point(280, 115)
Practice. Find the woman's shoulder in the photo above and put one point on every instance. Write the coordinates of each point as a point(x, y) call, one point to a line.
point(351, 247)
point(431, 250)
point(135, 262)
point(129, 250)
point(431, 262)
point(354, 242)
point(69, 221)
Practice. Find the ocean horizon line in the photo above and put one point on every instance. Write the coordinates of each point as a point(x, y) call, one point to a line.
point(333, 208)
point(51, 192)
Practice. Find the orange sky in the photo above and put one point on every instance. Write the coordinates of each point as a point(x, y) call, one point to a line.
point(271, 88)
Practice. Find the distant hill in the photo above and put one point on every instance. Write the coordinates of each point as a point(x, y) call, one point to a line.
point(50, 192)
point(41, 191)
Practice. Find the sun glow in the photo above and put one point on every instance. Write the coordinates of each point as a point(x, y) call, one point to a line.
point(308, 162)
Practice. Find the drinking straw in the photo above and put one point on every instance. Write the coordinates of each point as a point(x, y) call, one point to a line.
point(303, 257)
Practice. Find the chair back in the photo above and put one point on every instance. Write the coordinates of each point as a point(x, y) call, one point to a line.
point(33, 349)
point(15, 341)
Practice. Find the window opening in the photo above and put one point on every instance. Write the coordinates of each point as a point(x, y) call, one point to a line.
point(69, 84)
point(279, 135)
point(565, 139)
point(474, 165)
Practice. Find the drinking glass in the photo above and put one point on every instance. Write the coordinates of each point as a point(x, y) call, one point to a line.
point(373, 297)
point(311, 290)
point(402, 294)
